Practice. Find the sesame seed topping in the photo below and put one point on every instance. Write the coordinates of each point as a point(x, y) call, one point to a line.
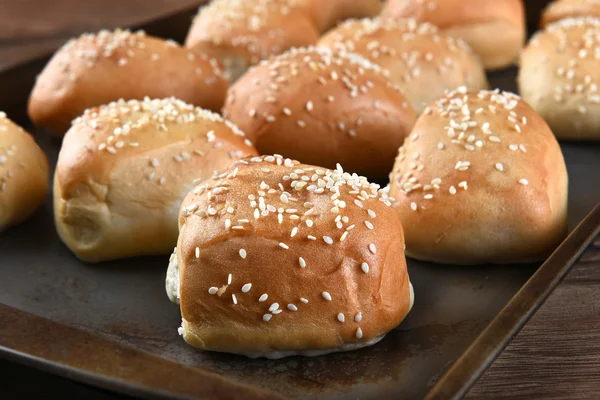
point(371, 213)
point(305, 301)
point(197, 252)
point(359, 333)
point(523, 181)
point(372, 248)
point(292, 307)
point(452, 190)
point(246, 288)
point(263, 297)
point(327, 239)
point(234, 299)
point(341, 317)
point(267, 317)
point(365, 267)
point(500, 167)
point(283, 245)
point(229, 279)
point(369, 225)
point(213, 290)
point(413, 206)
point(302, 262)
point(358, 317)
point(326, 296)
point(274, 307)
point(243, 253)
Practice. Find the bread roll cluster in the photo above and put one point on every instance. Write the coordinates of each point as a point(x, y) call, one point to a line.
point(278, 250)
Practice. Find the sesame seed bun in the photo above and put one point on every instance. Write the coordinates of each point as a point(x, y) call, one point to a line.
point(240, 33)
point(561, 9)
point(96, 69)
point(277, 258)
point(481, 180)
point(24, 174)
point(322, 107)
point(421, 60)
point(124, 169)
point(559, 77)
point(494, 29)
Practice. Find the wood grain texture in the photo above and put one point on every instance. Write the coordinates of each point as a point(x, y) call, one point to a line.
point(557, 354)
point(31, 28)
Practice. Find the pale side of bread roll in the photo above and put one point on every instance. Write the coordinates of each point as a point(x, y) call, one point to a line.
point(561, 9)
point(322, 107)
point(560, 74)
point(421, 60)
point(277, 258)
point(24, 174)
point(495, 29)
point(240, 33)
point(481, 180)
point(96, 69)
point(124, 169)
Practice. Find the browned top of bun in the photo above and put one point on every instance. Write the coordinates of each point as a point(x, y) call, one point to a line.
point(273, 234)
point(561, 9)
point(447, 13)
point(96, 69)
point(327, 14)
point(322, 107)
point(420, 59)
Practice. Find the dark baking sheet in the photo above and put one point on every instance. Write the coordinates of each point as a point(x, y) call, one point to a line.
point(124, 303)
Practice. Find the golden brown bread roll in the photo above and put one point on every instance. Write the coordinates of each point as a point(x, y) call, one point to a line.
point(481, 180)
point(494, 29)
point(559, 77)
point(326, 14)
point(96, 69)
point(561, 9)
point(124, 169)
point(24, 174)
point(421, 60)
point(240, 33)
point(322, 107)
point(277, 258)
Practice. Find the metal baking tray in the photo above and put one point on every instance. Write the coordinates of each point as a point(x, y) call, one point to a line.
point(112, 325)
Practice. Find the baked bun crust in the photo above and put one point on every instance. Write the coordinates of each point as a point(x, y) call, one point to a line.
point(96, 69)
point(560, 74)
point(561, 9)
point(322, 107)
point(481, 180)
point(240, 33)
point(270, 258)
point(24, 174)
point(421, 60)
point(326, 14)
point(494, 29)
point(124, 169)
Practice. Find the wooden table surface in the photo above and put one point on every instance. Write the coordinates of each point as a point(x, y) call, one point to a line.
point(556, 355)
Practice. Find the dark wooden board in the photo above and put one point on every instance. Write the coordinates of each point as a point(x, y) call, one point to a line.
point(122, 308)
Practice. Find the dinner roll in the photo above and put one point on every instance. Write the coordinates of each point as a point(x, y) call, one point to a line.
point(481, 180)
point(23, 174)
point(494, 29)
point(277, 258)
point(321, 107)
point(124, 169)
point(559, 77)
point(326, 14)
point(422, 61)
point(240, 33)
point(561, 9)
point(96, 69)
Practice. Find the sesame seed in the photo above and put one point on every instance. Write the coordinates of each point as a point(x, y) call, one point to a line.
point(302, 262)
point(365, 267)
point(327, 240)
point(368, 224)
point(243, 253)
point(263, 297)
point(359, 333)
point(343, 237)
point(311, 237)
point(428, 197)
point(274, 307)
point(413, 206)
point(341, 317)
point(513, 147)
point(522, 148)
point(234, 299)
point(371, 213)
point(452, 190)
point(305, 301)
point(276, 312)
point(500, 167)
point(463, 185)
point(197, 252)
point(440, 146)
point(292, 307)
point(267, 317)
point(246, 288)
point(358, 317)
point(523, 181)
point(495, 139)
point(213, 290)
point(283, 245)
point(326, 296)
point(309, 106)
point(229, 279)
point(372, 248)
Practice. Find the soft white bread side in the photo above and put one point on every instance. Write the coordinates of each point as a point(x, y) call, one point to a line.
point(423, 62)
point(124, 169)
point(96, 69)
point(562, 9)
point(24, 174)
point(276, 258)
point(495, 29)
point(560, 74)
point(240, 33)
point(481, 180)
point(322, 107)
